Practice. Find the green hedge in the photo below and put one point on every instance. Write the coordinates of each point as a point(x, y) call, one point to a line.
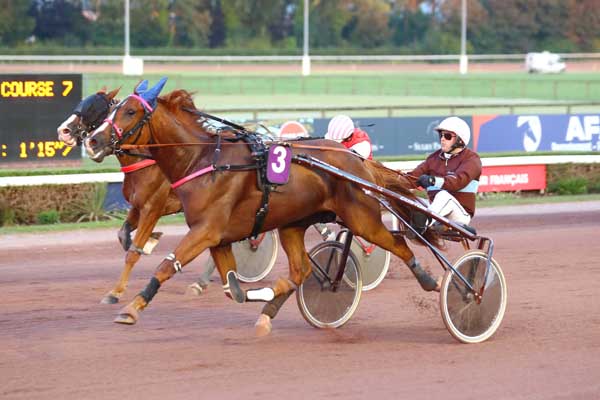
point(573, 178)
point(47, 204)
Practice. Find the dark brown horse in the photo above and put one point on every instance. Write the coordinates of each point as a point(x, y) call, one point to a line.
point(144, 187)
point(220, 201)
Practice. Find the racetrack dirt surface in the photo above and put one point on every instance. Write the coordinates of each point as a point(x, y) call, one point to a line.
point(58, 342)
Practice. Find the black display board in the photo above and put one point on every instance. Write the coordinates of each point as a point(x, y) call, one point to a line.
point(31, 108)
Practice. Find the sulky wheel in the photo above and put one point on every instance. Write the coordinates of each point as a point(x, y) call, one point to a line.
point(321, 305)
point(254, 259)
point(468, 319)
point(373, 260)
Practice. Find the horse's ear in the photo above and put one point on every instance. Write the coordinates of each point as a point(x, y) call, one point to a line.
point(102, 90)
point(111, 95)
point(151, 94)
point(141, 87)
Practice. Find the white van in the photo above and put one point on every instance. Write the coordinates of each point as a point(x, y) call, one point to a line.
point(544, 62)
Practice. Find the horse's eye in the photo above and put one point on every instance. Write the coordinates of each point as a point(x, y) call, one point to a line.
point(130, 112)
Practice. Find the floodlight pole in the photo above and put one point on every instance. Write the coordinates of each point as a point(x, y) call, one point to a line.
point(126, 28)
point(464, 61)
point(305, 57)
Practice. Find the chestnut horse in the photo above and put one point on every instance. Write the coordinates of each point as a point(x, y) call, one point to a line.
point(145, 187)
point(220, 196)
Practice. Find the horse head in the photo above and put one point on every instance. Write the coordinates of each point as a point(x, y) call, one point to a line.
point(124, 124)
point(87, 116)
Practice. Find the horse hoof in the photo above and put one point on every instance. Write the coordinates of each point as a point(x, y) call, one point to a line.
point(125, 319)
point(263, 325)
point(195, 289)
point(127, 316)
point(109, 299)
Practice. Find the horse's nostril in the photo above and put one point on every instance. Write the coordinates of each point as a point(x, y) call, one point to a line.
point(92, 142)
point(65, 131)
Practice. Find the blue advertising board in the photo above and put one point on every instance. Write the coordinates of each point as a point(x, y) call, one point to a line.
point(530, 133)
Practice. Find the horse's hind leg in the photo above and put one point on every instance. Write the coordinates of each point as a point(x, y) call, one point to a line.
point(225, 262)
point(147, 222)
point(372, 229)
point(292, 241)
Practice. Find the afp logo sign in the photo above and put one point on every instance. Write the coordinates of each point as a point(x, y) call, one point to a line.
point(533, 133)
point(531, 126)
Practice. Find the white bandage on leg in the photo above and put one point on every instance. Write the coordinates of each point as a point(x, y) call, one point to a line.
point(447, 206)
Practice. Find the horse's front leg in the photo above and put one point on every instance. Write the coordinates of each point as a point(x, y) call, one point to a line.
point(194, 243)
point(130, 224)
point(292, 241)
point(147, 221)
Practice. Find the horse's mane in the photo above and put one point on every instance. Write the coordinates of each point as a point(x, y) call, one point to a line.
point(178, 99)
point(180, 102)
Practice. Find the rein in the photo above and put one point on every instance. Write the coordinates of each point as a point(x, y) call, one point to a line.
point(286, 143)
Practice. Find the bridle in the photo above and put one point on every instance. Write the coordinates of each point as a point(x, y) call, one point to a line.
point(117, 136)
point(95, 108)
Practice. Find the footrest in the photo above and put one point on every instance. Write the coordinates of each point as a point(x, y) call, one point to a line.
point(469, 228)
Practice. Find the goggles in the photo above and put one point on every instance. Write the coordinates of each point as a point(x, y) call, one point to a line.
point(447, 135)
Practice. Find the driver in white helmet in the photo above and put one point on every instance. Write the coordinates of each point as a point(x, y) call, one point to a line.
point(341, 129)
point(451, 174)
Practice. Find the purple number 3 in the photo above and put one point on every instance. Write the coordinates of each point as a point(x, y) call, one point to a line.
point(279, 165)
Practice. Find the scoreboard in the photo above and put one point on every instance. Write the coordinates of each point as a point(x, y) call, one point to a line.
point(31, 108)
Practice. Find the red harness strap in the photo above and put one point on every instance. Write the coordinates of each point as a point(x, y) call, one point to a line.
point(192, 176)
point(137, 165)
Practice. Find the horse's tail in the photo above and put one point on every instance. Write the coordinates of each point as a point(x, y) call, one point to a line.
point(401, 184)
point(390, 179)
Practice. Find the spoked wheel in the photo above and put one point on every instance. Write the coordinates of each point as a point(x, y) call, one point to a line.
point(470, 320)
point(321, 305)
point(256, 259)
point(373, 260)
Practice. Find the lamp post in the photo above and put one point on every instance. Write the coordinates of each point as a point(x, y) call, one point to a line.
point(305, 57)
point(126, 28)
point(464, 61)
point(131, 65)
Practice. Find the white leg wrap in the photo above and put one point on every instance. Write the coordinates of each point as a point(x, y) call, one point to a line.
point(264, 294)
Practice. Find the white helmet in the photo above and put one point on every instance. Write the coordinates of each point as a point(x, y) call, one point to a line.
point(340, 128)
point(458, 126)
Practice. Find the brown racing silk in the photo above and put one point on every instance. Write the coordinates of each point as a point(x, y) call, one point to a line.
point(460, 174)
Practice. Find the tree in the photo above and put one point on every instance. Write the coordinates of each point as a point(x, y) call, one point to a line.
point(107, 30)
point(479, 33)
point(327, 19)
point(371, 23)
point(60, 21)
point(15, 24)
point(281, 25)
point(149, 23)
point(218, 32)
point(513, 24)
point(408, 24)
point(583, 24)
point(190, 23)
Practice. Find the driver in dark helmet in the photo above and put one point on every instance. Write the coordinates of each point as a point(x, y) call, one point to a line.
point(451, 174)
